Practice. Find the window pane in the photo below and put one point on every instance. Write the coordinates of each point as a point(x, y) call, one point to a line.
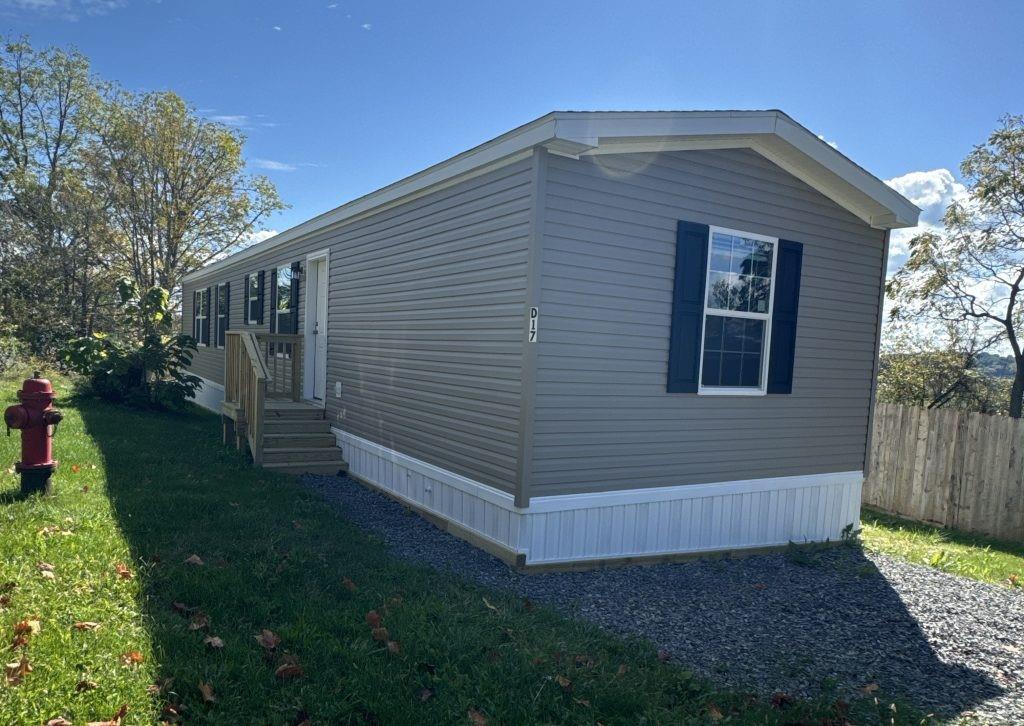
point(721, 253)
point(742, 255)
point(760, 288)
point(284, 287)
point(222, 300)
point(721, 290)
point(733, 352)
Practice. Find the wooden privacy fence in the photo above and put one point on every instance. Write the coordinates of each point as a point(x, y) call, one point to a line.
point(963, 470)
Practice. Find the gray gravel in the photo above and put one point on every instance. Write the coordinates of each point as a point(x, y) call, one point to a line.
point(837, 618)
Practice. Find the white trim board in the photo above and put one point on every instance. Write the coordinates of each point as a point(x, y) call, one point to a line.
point(209, 395)
point(659, 521)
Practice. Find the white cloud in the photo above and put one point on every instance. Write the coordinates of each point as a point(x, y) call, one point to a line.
point(272, 165)
point(367, 26)
point(932, 191)
point(277, 28)
point(332, 6)
point(239, 120)
point(257, 237)
point(833, 144)
point(65, 9)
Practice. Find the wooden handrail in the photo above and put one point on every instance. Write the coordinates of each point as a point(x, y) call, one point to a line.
point(245, 388)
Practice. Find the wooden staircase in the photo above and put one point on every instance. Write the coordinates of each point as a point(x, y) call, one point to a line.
point(262, 410)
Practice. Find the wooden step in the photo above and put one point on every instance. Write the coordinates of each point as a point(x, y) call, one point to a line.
point(302, 440)
point(299, 455)
point(330, 468)
point(295, 426)
point(291, 410)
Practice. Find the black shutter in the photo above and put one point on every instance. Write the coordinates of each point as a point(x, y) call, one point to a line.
point(259, 297)
point(293, 302)
point(273, 300)
point(687, 307)
point(788, 265)
point(195, 311)
point(223, 323)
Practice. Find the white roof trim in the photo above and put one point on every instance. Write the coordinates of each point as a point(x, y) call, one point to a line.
point(577, 133)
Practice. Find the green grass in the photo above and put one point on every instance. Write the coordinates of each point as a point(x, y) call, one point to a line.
point(150, 490)
point(961, 553)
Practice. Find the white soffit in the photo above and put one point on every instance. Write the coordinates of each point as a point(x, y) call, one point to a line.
point(581, 133)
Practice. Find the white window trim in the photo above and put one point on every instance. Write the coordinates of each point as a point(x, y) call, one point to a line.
point(250, 298)
point(767, 317)
point(197, 314)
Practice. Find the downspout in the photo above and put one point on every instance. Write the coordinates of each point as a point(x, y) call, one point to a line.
point(528, 379)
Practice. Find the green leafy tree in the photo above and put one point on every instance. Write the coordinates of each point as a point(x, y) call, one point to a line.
point(144, 363)
point(973, 271)
point(179, 196)
point(53, 263)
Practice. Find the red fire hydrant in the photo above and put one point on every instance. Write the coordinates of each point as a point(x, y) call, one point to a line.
point(37, 419)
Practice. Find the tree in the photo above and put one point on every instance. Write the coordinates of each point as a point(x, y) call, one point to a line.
point(179, 197)
point(52, 221)
point(973, 271)
point(945, 370)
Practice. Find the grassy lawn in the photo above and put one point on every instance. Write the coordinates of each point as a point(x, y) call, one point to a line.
point(141, 499)
point(962, 553)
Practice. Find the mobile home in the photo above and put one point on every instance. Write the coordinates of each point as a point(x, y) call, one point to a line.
point(599, 336)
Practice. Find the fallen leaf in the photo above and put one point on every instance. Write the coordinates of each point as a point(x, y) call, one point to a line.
point(870, 688)
point(564, 682)
point(373, 619)
point(194, 560)
point(115, 721)
point(477, 717)
point(582, 702)
point(181, 608)
point(199, 621)
point(623, 670)
point(29, 626)
point(161, 686)
point(59, 721)
point(394, 646)
point(15, 672)
point(782, 700)
point(123, 572)
point(663, 655)
point(289, 668)
point(395, 601)
point(5, 600)
point(349, 585)
point(213, 641)
point(75, 468)
point(20, 641)
point(584, 661)
point(85, 489)
point(759, 586)
point(424, 694)
point(537, 661)
point(296, 524)
point(233, 504)
point(267, 639)
point(86, 625)
point(715, 712)
point(170, 714)
point(85, 685)
point(380, 634)
point(47, 574)
point(132, 657)
point(490, 606)
point(45, 569)
point(207, 690)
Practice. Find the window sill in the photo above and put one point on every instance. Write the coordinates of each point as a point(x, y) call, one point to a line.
point(730, 392)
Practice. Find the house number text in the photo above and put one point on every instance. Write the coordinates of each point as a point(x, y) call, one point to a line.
point(534, 322)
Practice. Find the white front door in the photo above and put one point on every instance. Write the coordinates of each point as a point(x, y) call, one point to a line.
point(316, 329)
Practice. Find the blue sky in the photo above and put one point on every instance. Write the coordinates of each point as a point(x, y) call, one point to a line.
point(339, 98)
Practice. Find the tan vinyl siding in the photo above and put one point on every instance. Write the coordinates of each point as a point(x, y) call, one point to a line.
point(426, 303)
point(603, 419)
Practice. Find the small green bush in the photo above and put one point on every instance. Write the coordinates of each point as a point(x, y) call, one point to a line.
point(143, 366)
point(12, 352)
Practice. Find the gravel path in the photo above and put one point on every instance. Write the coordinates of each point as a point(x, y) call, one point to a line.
point(770, 622)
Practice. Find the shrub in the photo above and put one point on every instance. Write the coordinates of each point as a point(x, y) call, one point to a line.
point(12, 352)
point(143, 366)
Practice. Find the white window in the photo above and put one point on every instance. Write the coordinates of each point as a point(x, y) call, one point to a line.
point(737, 312)
point(201, 320)
point(282, 306)
point(223, 301)
point(252, 300)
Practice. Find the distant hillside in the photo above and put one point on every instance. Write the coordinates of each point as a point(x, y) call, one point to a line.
point(1000, 366)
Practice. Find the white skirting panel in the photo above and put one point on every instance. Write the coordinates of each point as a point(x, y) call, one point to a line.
point(730, 515)
point(209, 395)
